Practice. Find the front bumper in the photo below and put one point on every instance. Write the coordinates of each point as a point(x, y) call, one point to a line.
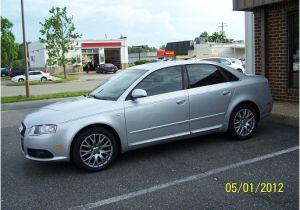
point(46, 147)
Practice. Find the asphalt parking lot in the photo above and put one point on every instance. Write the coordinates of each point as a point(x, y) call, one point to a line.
point(188, 174)
point(85, 82)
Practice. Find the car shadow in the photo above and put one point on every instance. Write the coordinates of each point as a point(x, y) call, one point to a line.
point(36, 168)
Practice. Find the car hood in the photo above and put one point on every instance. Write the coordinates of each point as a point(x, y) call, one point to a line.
point(71, 109)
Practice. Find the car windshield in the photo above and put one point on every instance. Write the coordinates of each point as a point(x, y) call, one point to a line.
point(114, 87)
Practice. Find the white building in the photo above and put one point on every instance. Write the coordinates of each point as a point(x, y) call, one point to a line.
point(229, 50)
point(96, 51)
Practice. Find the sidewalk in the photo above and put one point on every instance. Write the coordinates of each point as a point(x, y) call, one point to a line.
point(286, 113)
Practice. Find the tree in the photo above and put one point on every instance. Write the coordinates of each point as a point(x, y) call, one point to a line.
point(59, 36)
point(145, 48)
point(204, 34)
point(9, 49)
point(163, 47)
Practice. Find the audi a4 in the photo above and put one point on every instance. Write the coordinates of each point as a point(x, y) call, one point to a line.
point(146, 105)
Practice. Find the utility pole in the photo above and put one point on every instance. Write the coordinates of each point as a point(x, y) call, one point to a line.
point(25, 52)
point(139, 50)
point(222, 25)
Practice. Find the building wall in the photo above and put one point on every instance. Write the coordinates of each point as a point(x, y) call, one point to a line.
point(37, 55)
point(276, 48)
point(221, 50)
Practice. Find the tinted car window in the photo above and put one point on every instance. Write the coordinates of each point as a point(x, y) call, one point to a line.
point(230, 77)
point(204, 74)
point(162, 81)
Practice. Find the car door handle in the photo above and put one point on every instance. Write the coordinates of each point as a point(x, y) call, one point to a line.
point(180, 101)
point(226, 92)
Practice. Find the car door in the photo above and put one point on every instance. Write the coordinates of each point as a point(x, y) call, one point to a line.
point(209, 96)
point(37, 75)
point(164, 113)
point(31, 76)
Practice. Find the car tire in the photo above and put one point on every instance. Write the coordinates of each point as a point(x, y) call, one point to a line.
point(2, 75)
point(94, 149)
point(240, 70)
point(44, 79)
point(21, 80)
point(243, 122)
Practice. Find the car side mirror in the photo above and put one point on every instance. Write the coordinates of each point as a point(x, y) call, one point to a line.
point(138, 93)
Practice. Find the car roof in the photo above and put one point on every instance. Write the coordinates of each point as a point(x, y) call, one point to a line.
point(159, 65)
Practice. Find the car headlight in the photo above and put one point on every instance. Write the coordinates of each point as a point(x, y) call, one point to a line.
point(42, 129)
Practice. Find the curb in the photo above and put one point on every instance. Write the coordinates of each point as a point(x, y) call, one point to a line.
point(282, 119)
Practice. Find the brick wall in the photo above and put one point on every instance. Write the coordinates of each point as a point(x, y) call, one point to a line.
point(276, 17)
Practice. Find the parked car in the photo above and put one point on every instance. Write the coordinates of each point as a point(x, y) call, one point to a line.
point(16, 71)
point(236, 61)
point(227, 62)
point(146, 105)
point(5, 72)
point(106, 68)
point(33, 76)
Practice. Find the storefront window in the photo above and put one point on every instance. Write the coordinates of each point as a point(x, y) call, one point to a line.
point(294, 50)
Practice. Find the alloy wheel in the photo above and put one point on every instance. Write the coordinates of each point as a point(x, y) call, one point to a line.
point(96, 150)
point(244, 122)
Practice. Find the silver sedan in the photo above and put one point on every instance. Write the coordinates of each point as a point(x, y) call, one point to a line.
point(146, 105)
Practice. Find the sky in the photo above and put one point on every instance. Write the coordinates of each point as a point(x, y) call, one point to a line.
point(143, 22)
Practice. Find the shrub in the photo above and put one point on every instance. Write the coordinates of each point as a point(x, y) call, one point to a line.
point(141, 62)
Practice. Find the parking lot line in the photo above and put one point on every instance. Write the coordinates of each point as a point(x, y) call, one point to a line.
point(182, 180)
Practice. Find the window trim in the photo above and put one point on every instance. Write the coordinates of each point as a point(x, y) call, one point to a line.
point(128, 97)
point(290, 17)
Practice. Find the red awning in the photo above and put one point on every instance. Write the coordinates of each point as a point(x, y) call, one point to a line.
point(101, 44)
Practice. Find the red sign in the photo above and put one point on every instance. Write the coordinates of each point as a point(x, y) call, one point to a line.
point(160, 53)
point(163, 53)
point(169, 53)
point(101, 44)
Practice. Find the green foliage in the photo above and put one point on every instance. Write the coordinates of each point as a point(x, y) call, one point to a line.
point(21, 51)
point(163, 47)
point(18, 63)
point(146, 48)
point(204, 34)
point(214, 37)
point(141, 62)
point(58, 33)
point(9, 49)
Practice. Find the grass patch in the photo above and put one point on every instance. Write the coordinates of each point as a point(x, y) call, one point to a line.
point(5, 78)
point(20, 98)
point(62, 80)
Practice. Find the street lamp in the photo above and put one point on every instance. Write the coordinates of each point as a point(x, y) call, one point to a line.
point(25, 52)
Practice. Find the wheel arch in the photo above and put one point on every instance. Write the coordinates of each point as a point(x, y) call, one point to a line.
point(250, 103)
point(236, 104)
point(96, 125)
